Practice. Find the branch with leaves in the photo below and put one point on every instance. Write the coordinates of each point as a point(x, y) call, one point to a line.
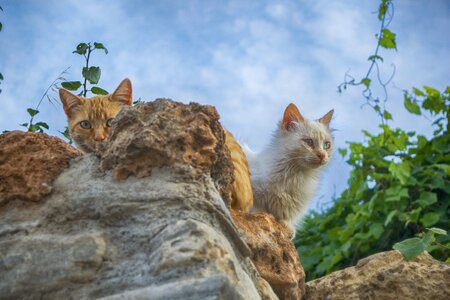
point(90, 74)
point(385, 39)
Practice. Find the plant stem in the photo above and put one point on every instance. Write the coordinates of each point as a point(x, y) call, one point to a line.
point(43, 95)
point(87, 66)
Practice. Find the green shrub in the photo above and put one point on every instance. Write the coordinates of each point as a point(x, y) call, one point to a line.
point(399, 185)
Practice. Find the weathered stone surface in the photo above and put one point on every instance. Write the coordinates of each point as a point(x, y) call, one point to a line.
point(385, 276)
point(167, 133)
point(63, 259)
point(273, 253)
point(162, 236)
point(29, 162)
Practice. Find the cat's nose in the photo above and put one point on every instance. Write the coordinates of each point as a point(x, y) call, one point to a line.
point(321, 156)
point(99, 137)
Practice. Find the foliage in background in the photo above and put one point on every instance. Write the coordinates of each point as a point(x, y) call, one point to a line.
point(399, 186)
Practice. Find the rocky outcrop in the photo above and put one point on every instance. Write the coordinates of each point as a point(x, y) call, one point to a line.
point(29, 163)
point(273, 254)
point(147, 218)
point(166, 133)
point(385, 276)
point(128, 226)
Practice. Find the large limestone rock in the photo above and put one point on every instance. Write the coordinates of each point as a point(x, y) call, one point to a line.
point(385, 276)
point(21, 154)
point(109, 230)
point(166, 133)
point(273, 254)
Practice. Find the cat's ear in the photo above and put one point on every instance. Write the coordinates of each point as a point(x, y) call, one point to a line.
point(69, 101)
point(123, 93)
point(291, 114)
point(325, 120)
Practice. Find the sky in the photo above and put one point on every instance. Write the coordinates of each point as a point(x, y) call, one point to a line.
point(249, 59)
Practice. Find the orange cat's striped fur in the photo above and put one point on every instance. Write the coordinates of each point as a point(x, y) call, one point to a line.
point(241, 191)
point(89, 119)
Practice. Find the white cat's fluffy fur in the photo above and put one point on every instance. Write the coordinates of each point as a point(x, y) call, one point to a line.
point(286, 174)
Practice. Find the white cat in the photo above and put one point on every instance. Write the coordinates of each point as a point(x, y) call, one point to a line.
point(285, 175)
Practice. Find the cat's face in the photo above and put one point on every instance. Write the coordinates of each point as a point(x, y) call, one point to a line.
point(308, 143)
point(90, 119)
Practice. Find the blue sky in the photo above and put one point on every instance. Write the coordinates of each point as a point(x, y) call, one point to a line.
point(248, 58)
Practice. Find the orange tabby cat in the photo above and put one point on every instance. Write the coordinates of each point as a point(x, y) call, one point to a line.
point(89, 119)
point(241, 190)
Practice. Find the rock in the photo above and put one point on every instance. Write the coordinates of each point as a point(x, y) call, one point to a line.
point(55, 261)
point(167, 133)
point(273, 253)
point(385, 276)
point(29, 163)
point(163, 231)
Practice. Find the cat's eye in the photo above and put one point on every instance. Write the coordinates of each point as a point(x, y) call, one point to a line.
point(326, 145)
point(85, 124)
point(109, 122)
point(309, 142)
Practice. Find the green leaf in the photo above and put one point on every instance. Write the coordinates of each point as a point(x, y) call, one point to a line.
point(138, 101)
point(437, 231)
point(71, 85)
point(376, 230)
point(1, 76)
point(396, 193)
point(374, 57)
point(447, 90)
point(342, 151)
point(92, 74)
point(66, 134)
point(401, 171)
point(411, 105)
point(431, 91)
point(387, 115)
point(81, 49)
point(100, 46)
point(389, 217)
point(24, 125)
point(32, 112)
point(33, 128)
point(387, 39)
point(429, 219)
point(98, 91)
point(410, 248)
point(42, 124)
point(366, 81)
point(426, 199)
point(382, 9)
point(1, 26)
point(445, 168)
point(427, 239)
point(418, 92)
